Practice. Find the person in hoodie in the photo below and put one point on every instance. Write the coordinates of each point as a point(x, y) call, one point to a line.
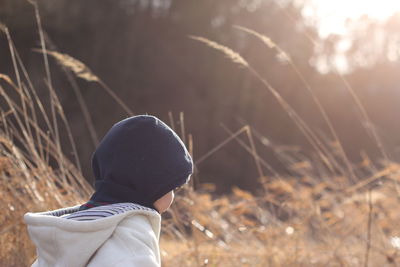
point(137, 166)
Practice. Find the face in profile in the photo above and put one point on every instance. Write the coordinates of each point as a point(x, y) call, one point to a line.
point(163, 203)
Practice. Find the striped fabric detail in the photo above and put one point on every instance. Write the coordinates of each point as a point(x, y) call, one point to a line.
point(103, 211)
point(61, 212)
point(91, 204)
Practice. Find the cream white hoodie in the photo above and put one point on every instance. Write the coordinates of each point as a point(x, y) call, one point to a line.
point(127, 239)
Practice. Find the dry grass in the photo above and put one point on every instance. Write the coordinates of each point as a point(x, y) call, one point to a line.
point(315, 217)
point(295, 224)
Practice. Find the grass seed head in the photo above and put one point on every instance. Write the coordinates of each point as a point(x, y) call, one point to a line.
point(234, 56)
point(74, 65)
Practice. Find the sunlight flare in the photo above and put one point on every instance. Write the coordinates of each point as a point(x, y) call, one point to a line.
point(332, 16)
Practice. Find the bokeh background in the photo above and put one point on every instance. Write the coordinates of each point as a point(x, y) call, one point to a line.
point(141, 49)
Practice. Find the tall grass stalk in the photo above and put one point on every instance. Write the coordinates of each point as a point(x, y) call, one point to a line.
point(369, 229)
point(83, 72)
point(365, 117)
point(82, 104)
point(221, 145)
point(300, 123)
point(267, 41)
point(48, 80)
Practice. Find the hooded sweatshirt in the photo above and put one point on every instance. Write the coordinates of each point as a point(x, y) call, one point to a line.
point(128, 235)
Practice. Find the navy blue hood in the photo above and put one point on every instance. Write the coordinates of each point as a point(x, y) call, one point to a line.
point(139, 160)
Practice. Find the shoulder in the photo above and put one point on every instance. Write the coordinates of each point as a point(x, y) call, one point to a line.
point(133, 243)
point(139, 229)
point(141, 219)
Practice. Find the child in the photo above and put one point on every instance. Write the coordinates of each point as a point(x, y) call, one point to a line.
point(137, 166)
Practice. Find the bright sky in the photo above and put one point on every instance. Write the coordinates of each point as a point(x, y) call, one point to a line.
point(331, 15)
